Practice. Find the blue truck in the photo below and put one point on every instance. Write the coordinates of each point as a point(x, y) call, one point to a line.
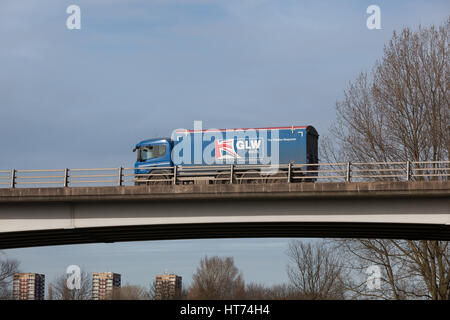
point(212, 149)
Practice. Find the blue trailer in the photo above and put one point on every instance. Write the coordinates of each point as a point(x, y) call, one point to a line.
point(243, 147)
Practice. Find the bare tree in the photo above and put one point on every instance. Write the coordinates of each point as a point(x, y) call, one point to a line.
point(397, 112)
point(7, 269)
point(132, 292)
point(60, 291)
point(217, 278)
point(255, 291)
point(284, 292)
point(152, 291)
point(400, 111)
point(315, 271)
point(408, 269)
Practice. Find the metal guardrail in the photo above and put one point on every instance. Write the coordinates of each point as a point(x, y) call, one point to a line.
point(230, 174)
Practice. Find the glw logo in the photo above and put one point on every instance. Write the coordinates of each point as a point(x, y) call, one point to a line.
point(248, 145)
point(225, 146)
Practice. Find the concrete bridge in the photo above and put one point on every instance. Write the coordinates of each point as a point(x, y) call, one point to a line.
point(55, 216)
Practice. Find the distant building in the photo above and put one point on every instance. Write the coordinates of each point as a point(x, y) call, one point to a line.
point(168, 286)
point(28, 286)
point(104, 285)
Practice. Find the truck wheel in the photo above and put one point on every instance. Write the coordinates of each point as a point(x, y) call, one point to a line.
point(161, 177)
point(279, 177)
point(251, 177)
point(138, 181)
point(299, 177)
point(224, 178)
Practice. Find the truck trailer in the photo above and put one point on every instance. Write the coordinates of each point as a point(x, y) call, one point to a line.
point(256, 155)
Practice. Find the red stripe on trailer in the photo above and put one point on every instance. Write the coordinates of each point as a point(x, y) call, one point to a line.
point(242, 129)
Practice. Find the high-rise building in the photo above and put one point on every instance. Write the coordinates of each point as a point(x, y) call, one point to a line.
point(104, 285)
point(168, 286)
point(28, 286)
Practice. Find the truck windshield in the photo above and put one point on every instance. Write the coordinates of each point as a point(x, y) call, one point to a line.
point(151, 152)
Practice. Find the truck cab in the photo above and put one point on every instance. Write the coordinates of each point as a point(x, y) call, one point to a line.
point(153, 153)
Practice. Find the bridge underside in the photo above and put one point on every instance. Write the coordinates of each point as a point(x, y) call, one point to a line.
point(225, 230)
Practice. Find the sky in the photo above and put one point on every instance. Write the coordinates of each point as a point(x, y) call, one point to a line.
point(139, 69)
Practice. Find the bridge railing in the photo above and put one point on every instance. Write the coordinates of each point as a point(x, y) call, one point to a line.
point(229, 174)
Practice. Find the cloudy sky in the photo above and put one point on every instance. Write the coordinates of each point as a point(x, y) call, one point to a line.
point(141, 68)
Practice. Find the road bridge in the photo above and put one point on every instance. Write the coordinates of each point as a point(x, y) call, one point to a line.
point(384, 209)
